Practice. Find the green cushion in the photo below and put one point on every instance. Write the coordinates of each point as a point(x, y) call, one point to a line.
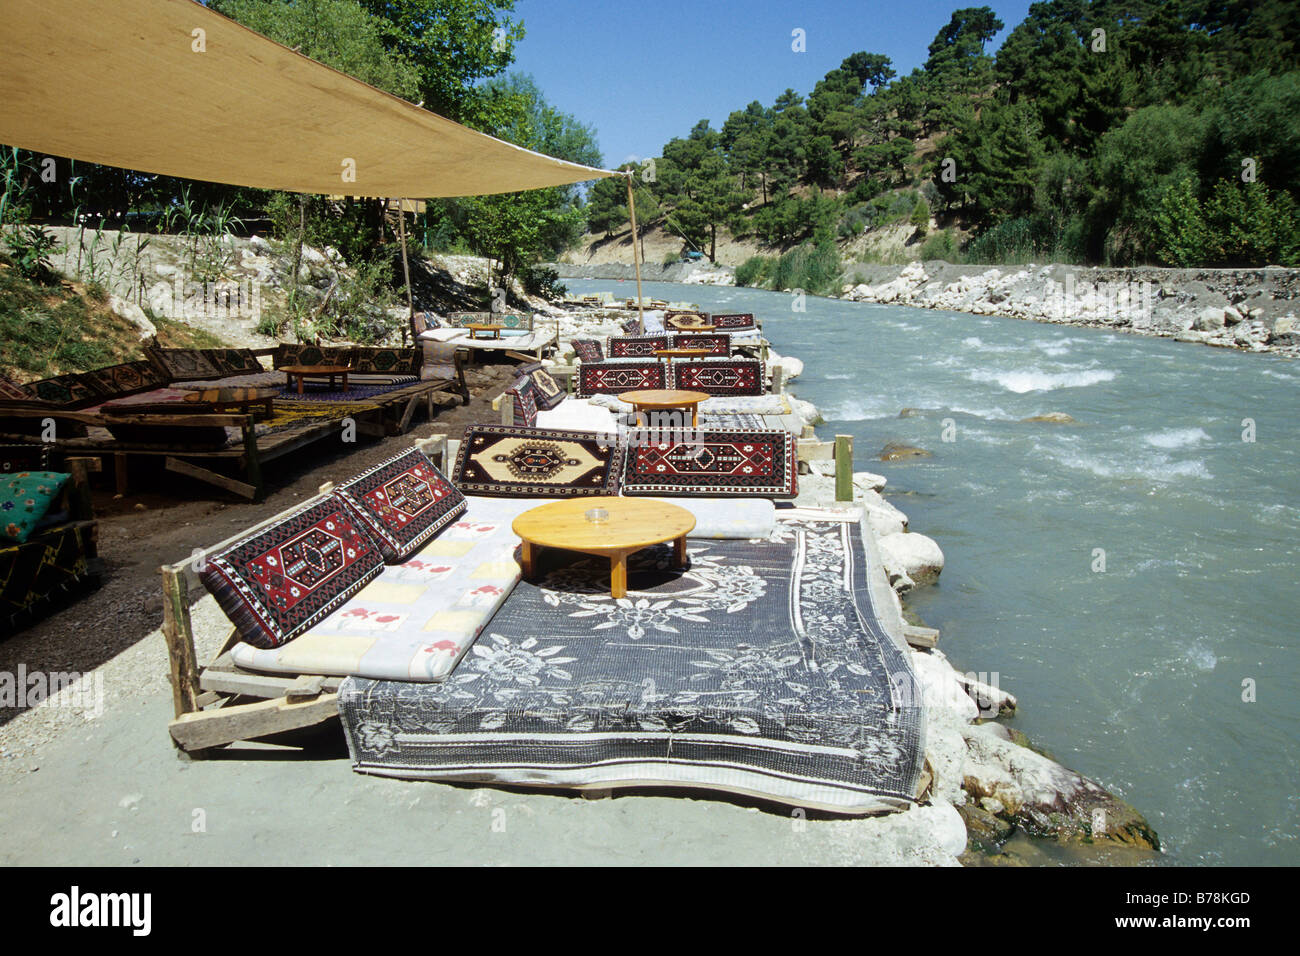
point(24, 499)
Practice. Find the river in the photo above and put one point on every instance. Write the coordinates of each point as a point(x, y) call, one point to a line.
point(1130, 578)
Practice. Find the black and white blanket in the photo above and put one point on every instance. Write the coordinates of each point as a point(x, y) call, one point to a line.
point(762, 670)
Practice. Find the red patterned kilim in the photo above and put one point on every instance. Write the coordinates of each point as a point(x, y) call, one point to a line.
point(636, 346)
point(611, 378)
point(738, 320)
point(760, 463)
point(403, 502)
point(282, 580)
point(716, 343)
point(730, 377)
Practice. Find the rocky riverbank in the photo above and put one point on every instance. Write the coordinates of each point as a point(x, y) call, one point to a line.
point(1256, 310)
point(687, 273)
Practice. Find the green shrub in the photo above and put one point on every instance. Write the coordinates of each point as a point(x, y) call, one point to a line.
point(753, 270)
point(813, 268)
point(939, 246)
point(543, 281)
point(31, 247)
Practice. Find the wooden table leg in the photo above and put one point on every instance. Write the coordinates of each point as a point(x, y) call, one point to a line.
point(526, 558)
point(618, 575)
point(679, 547)
point(345, 381)
point(695, 415)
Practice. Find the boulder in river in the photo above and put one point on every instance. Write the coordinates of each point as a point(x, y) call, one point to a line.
point(910, 554)
point(1053, 418)
point(897, 451)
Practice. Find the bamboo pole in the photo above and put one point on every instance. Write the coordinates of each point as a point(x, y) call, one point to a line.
point(636, 255)
point(406, 271)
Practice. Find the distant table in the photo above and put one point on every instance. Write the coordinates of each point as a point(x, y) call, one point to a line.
point(302, 371)
point(632, 524)
point(694, 328)
point(476, 327)
point(667, 354)
point(656, 399)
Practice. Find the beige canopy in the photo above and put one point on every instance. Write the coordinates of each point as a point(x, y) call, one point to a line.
point(170, 87)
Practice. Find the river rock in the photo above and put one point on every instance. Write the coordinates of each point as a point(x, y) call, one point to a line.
point(1053, 418)
point(1209, 319)
point(882, 517)
point(897, 451)
point(259, 245)
point(869, 480)
point(912, 554)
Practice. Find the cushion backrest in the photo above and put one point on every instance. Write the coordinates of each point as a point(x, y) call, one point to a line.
point(589, 350)
point(276, 583)
point(127, 378)
point(612, 378)
point(384, 360)
point(189, 365)
point(686, 320)
point(74, 390)
point(717, 343)
point(307, 354)
point(636, 346)
point(524, 402)
point(731, 463)
point(513, 462)
point(720, 376)
point(502, 320)
point(733, 320)
point(402, 502)
point(546, 390)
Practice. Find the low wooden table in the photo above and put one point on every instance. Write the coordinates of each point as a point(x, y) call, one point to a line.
point(302, 371)
point(655, 399)
point(633, 524)
point(476, 327)
point(232, 399)
point(693, 328)
point(667, 354)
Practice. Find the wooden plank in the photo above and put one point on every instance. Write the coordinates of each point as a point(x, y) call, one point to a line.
point(925, 637)
point(178, 632)
point(815, 450)
point(843, 467)
point(267, 686)
point(507, 409)
point(119, 473)
point(215, 728)
point(79, 487)
point(211, 477)
point(405, 422)
point(252, 458)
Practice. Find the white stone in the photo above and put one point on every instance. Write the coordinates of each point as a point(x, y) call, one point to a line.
point(1208, 319)
point(912, 554)
point(133, 314)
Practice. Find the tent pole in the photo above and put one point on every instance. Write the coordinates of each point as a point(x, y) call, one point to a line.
point(636, 255)
point(406, 271)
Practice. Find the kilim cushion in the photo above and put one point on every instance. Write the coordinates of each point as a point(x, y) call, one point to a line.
point(636, 346)
point(720, 377)
point(73, 390)
point(524, 405)
point(276, 583)
point(10, 389)
point(184, 364)
point(546, 390)
point(717, 344)
point(512, 462)
point(306, 354)
point(588, 350)
point(738, 320)
point(24, 499)
point(234, 361)
point(728, 463)
point(611, 378)
point(630, 326)
point(127, 378)
point(686, 320)
point(386, 361)
point(403, 502)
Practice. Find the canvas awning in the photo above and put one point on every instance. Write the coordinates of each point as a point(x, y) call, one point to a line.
point(120, 83)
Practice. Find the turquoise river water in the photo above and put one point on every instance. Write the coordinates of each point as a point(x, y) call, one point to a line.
point(1163, 665)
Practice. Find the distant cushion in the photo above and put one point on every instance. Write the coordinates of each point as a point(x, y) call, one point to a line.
point(733, 320)
point(686, 320)
point(546, 389)
point(588, 350)
point(403, 502)
point(513, 462)
point(639, 346)
point(24, 499)
point(307, 354)
point(614, 377)
point(718, 343)
point(277, 583)
point(726, 463)
point(523, 402)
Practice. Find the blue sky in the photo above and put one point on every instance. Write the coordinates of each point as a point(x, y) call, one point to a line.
point(644, 71)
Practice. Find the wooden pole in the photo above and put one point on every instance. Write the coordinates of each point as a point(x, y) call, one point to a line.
point(406, 271)
point(843, 467)
point(636, 255)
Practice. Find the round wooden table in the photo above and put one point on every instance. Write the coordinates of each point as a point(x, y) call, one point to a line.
point(476, 327)
point(302, 371)
point(694, 328)
point(667, 354)
point(633, 524)
point(655, 399)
